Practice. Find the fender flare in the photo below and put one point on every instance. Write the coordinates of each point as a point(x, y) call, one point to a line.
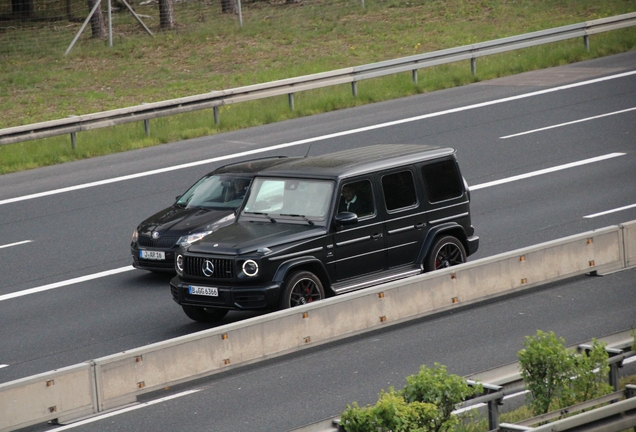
point(307, 261)
point(435, 231)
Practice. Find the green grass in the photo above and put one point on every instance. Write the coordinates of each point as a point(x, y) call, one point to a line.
point(208, 51)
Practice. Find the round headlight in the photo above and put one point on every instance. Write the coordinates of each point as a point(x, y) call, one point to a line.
point(179, 263)
point(250, 268)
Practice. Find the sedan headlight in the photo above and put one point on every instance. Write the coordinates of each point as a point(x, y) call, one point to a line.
point(135, 236)
point(178, 264)
point(250, 268)
point(191, 238)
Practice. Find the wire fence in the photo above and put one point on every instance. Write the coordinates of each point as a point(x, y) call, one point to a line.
point(46, 27)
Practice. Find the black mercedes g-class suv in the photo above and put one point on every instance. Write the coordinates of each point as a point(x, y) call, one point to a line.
point(320, 226)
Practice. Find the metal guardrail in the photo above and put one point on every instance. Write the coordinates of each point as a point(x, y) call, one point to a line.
point(352, 75)
point(620, 414)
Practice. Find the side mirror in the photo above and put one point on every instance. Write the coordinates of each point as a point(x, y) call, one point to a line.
point(346, 218)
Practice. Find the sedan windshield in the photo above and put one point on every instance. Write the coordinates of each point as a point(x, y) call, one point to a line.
point(215, 192)
point(289, 200)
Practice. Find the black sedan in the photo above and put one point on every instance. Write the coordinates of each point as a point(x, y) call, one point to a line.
point(212, 202)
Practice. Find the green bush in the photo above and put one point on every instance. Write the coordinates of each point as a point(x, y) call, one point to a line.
point(424, 405)
point(557, 377)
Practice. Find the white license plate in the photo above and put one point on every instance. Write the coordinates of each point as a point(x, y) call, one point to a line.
point(205, 291)
point(152, 255)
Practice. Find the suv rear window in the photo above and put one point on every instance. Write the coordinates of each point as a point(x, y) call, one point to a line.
point(399, 190)
point(442, 181)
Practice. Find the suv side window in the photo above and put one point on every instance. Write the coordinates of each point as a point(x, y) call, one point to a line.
point(442, 181)
point(357, 197)
point(399, 190)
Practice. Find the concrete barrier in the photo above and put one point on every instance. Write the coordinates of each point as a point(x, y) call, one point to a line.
point(120, 378)
point(60, 394)
point(629, 235)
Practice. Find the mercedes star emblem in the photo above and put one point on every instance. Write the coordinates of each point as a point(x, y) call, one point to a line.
point(208, 268)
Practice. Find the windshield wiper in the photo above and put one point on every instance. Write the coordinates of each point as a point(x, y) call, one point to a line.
point(311, 223)
point(271, 219)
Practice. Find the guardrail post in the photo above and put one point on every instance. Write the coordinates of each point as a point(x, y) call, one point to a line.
point(73, 138)
point(216, 115)
point(146, 123)
point(414, 75)
point(473, 66)
point(493, 413)
point(354, 89)
point(290, 98)
point(586, 41)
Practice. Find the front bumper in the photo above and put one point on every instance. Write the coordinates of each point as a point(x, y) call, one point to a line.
point(249, 297)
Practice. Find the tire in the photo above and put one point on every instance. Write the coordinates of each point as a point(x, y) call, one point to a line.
point(447, 251)
point(207, 315)
point(300, 288)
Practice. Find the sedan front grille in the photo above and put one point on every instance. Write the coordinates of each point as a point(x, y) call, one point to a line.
point(161, 242)
point(216, 268)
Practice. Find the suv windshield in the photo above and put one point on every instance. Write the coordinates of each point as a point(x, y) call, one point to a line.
point(289, 200)
point(215, 192)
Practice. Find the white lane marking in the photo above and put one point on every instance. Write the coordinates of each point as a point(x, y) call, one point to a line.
point(609, 211)
point(568, 123)
point(65, 283)
point(3, 366)
point(309, 140)
point(15, 244)
point(125, 410)
point(545, 171)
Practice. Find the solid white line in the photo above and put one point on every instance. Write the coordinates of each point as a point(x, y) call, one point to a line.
point(3, 366)
point(125, 410)
point(568, 123)
point(15, 244)
point(65, 283)
point(609, 211)
point(309, 140)
point(545, 171)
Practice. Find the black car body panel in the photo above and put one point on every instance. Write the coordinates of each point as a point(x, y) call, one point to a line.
point(156, 238)
point(411, 212)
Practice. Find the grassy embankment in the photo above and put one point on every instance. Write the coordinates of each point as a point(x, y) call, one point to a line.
point(277, 41)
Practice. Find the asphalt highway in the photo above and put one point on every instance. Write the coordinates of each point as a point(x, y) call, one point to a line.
point(547, 154)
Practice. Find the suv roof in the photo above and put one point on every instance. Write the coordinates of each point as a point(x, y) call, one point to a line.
point(252, 166)
point(347, 163)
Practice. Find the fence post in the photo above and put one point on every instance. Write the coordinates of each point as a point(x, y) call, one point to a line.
point(586, 41)
point(414, 75)
point(354, 88)
point(473, 66)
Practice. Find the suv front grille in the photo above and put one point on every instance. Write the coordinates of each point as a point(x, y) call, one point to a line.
point(161, 242)
point(223, 268)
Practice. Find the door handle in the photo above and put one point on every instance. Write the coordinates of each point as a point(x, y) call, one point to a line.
point(420, 225)
point(376, 236)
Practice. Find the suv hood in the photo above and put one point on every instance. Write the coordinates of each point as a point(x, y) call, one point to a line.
point(180, 221)
point(245, 237)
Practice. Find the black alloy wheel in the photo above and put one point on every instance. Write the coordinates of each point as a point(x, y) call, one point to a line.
point(302, 287)
point(446, 252)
